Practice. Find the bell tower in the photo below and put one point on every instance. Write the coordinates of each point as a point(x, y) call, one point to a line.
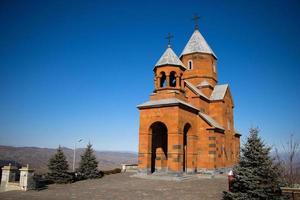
point(168, 72)
point(200, 61)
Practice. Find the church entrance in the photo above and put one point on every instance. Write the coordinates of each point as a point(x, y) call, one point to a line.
point(185, 147)
point(159, 150)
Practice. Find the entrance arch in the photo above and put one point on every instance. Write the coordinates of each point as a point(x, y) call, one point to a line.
point(159, 149)
point(186, 129)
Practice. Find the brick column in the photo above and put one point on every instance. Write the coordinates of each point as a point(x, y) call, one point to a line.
point(158, 81)
point(144, 157)
point(175, 150)
point(168, 80)
point(182, 83)
point(177, 82)
point(155, 83)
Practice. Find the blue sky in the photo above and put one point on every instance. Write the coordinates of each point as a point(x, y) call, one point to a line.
point(77, 69)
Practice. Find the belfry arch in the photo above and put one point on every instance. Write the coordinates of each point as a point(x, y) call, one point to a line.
point(173, 81)
point(159, 146)
point(163, 80)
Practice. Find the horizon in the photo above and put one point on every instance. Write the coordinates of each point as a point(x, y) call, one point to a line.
point(72, 149)
point(72, 70)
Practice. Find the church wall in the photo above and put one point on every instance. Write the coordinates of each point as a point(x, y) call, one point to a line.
point(202, 68)
point(186, 117)
point(205, 146)
point(174, 118)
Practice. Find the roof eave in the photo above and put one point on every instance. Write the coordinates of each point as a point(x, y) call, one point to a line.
point(212, 54)
point(167, 64)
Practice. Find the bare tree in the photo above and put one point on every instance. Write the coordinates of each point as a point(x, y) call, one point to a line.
point(288, 157)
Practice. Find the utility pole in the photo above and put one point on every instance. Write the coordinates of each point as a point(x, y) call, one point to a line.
point(74, 155)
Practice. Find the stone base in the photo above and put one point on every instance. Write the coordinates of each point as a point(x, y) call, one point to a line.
point(223, 170)
point(165, 176)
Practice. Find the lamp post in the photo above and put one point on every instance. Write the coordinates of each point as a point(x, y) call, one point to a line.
point(74, 155)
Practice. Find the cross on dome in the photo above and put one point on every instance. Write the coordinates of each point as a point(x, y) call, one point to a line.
point(169, 37)
point(196, 20)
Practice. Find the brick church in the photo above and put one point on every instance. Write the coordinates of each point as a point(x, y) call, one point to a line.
point(187, 125)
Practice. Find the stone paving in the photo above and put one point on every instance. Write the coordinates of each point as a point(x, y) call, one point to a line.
point(124, 186)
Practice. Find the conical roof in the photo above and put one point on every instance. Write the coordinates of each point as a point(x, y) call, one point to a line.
point(197, 44)
point(169, 58)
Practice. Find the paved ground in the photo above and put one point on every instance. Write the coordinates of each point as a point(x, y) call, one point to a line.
point(123, 187)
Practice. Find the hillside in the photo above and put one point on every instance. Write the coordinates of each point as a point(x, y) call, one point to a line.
point(38, 158)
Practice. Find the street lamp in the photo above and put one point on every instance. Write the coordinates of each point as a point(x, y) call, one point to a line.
point(74, 155)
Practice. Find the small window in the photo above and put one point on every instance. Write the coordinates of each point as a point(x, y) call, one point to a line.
point(190, 64)
point(214, 68)
point(228, 124)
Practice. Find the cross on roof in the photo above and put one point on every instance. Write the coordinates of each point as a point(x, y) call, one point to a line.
point(195, 19)
point(169, 37)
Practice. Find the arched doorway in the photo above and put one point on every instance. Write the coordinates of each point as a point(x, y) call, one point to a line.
point(159, 147)
point(186, 129)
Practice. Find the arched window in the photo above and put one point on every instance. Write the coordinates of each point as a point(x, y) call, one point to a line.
point(214, 68)
point(173, 79)
point(163, 79)
point(190, 64)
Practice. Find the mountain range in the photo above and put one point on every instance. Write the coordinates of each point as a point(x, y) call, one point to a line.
point(38, 158)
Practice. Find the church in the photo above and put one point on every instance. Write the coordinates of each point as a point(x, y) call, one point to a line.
point(187, 125)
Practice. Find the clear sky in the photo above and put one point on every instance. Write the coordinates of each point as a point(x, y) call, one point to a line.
point(77, 69)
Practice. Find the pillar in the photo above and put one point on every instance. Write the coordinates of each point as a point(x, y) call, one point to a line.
point(8, 175)
point(168, 80)
point(158, 82)
point(160, 161)
point(26, 178)
point(177, 82)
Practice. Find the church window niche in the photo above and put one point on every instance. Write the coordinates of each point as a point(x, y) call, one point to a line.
point(190, 64)
point(214, 68)
point(228, 124)
point(173, 79)
point(163, 81)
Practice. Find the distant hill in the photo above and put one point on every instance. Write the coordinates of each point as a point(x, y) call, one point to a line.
point(37, 158)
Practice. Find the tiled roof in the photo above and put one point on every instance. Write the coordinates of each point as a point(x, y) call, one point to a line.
point(211, 121)
point(165, 102)
point(219, 92)
point(197, 44)
point(169, 58)
point(195, 89)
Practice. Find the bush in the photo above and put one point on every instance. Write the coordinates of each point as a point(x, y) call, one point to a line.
point(113, 171)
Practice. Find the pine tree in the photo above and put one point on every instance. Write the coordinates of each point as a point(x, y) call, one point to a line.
point(58, 168)
point(88, 164)
point(256, 176)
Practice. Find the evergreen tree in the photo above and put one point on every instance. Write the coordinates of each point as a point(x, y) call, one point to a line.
point(88, 164)
point(58, 168)
point(256, 176)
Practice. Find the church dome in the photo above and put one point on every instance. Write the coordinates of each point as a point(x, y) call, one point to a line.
point(197, 44)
